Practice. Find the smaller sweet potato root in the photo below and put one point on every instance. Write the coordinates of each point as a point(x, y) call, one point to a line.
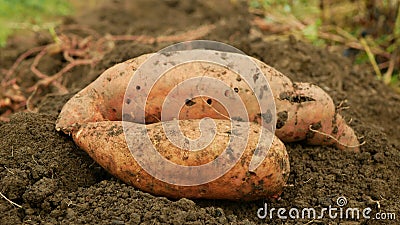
point(308, 113)
point(105, 142)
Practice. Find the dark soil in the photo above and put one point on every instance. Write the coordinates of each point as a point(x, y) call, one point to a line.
point(57, 183)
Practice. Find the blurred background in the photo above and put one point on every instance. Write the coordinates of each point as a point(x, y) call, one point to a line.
point(367, 31)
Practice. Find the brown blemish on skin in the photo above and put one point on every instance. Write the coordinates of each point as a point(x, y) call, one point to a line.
point(282, 117)
point(315, 126)
point(282, 164)
point(189, 102)
point(115, 131)
point(294, 98)
point(267, 116)
point(127, 117)
point(255, 77)
point(335, 130)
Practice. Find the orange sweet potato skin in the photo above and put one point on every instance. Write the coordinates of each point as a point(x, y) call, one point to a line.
point(309, 107)
point(106, 144)
point(299, 106)
point(101, 100)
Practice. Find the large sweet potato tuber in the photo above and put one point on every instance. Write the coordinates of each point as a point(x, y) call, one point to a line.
point(105, 142)
point(304, 111)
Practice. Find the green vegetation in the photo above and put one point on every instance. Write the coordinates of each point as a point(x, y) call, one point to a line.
point(30, 15)
point(371, 28)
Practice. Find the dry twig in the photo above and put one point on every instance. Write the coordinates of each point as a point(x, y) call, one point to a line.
point(8, 200)
point(77, 51)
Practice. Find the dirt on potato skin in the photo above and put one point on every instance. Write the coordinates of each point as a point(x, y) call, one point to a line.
point(57, 183)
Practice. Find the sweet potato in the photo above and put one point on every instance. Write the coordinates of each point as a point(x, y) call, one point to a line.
point(105, 142)
point(308, 113)
point(304, 111)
